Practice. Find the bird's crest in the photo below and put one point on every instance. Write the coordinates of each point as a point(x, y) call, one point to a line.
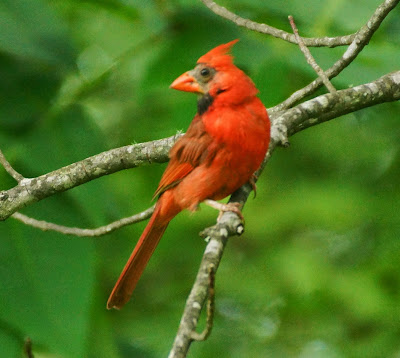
point(219, 56)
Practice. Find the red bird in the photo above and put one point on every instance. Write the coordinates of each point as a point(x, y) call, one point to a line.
point(222, 148)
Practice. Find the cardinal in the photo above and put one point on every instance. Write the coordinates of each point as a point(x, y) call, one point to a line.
point(222, 148)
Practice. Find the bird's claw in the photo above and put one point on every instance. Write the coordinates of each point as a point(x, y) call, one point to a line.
point(234, 207)
point(252, 183)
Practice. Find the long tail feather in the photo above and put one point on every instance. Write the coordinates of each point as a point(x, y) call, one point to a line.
point(138, 260)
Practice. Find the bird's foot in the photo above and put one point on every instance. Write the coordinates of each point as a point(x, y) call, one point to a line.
point(234, 207)
point(252, 182)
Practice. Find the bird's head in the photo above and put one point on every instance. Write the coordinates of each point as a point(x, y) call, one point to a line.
point(215, 76)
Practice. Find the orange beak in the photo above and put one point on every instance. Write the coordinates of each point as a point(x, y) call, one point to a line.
point(187, 83)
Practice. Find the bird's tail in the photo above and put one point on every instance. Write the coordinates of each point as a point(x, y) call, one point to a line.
point(139, 258)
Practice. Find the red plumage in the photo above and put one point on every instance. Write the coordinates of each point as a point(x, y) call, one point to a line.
point(222, 148)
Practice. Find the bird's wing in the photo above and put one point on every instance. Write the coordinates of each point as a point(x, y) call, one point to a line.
point(188, 152)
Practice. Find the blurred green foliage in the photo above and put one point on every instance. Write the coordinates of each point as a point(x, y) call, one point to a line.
point(317, 272)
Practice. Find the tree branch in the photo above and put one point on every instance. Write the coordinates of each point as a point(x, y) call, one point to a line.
point(309, 57)
point(29, 191)
point(100, 231)
point(210, 308)
point(332, 105)
point(269, 30)
point(9, 169)
point(211, 258)
point(361, 39)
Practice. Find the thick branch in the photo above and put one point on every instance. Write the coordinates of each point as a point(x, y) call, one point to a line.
point(269, 30)
point(332, 105)
point(29, 191)
point(211, 258)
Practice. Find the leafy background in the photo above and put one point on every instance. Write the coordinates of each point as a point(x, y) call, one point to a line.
point(316, 273)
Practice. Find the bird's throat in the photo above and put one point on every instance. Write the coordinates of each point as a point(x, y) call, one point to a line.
point(203, 103)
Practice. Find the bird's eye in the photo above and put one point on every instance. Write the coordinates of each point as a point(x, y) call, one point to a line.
point(205, 72)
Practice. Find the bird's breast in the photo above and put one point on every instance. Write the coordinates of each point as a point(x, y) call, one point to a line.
point(241, 128)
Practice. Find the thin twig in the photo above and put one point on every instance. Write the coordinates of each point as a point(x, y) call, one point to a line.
point(9, 169)
point(361, 39)
point(210, 307)
point(310, 59)
point(28, 348)
point(103, 230)
point(269, 30)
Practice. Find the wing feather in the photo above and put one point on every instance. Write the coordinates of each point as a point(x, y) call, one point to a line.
point(188, 152)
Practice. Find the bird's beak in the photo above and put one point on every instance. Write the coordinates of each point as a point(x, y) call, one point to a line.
point(187, 83)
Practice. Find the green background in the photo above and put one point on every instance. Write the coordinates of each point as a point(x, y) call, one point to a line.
point(316, 273)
